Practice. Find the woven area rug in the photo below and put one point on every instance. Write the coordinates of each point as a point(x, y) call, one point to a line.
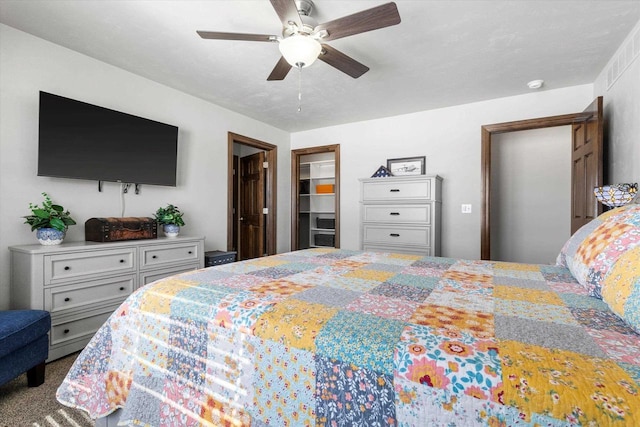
point(21, 406)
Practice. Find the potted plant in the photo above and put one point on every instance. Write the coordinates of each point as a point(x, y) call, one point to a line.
point(50, 221)
point(171, 220)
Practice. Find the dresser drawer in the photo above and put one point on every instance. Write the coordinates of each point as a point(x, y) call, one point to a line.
point(422, 251)
point(79, 327)
point(396, 190)
point(397, 213)
point(154, 255)
point(151, 276)
point(397, 235)
point(66, 297)
point(65, 267)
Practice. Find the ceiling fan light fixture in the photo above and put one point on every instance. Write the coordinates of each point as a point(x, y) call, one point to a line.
point(300, 50)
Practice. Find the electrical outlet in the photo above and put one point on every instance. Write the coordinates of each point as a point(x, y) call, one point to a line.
point(466, 208)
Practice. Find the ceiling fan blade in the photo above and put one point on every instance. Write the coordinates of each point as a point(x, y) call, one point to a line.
point(342, 62)
point(280, 71)
point(287, 12)
point(367, 20)
point(217, 35)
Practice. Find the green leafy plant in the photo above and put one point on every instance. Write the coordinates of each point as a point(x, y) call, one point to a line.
point(169, 215)
point(48, 216)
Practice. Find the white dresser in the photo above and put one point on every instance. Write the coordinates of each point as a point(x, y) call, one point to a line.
point(401, 214)
point(82, 283)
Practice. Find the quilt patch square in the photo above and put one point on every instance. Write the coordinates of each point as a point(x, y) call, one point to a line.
point(568, 287)
point(285, 385)
point(597, 319)
point(441, 263)
point(468, 277)
point(582, 301)
point(242, 311)
point(395, 290)
point(423, 271)
point(546, 334)
point(520, 274)
point(273, 272)
point(419, 282)
point(366, 274)
point(478, 302)
point(348, 395)
point(345, 337)
point(244, 281)
point(199, 302)
point(378, 266)
point(379, 305)
point(619, 347)
point(473, 266)
point(188, 349)
point(465, 287)
point(453, 320)
point(523, 294)
point(541, 380)
point(540, 285)
point(230, 372)
point(144, 408)
point(294, 323)
point(540, 312)
point(160, 295)
point(279, 287)
point(463, 365)
point(208, 276)
point(328, 296)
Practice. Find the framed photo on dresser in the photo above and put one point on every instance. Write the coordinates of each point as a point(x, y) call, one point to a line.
point(407, 166)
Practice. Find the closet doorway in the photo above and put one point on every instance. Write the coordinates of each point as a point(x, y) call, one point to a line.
point(587, 165)
point(315, 197)
point(251, 197)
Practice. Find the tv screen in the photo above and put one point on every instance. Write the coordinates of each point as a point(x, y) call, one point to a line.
point(84, 141)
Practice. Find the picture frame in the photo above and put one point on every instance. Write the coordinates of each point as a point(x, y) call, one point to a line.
point(407, 166)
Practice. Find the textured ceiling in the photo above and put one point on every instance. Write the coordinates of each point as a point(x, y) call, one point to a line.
point(443, 53)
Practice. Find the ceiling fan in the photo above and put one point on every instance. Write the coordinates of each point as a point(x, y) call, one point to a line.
point(303, 40)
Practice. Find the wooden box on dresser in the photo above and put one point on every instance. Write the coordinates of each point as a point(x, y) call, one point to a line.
point(401, 214)
point(82, 283)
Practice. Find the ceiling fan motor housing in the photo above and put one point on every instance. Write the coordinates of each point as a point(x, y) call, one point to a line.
point(308, 23)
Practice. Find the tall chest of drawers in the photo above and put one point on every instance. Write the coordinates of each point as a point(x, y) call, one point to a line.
point(82, 283)
point(401, 214)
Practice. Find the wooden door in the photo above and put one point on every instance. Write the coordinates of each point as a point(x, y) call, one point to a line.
point(586, 165)
point(251, 207)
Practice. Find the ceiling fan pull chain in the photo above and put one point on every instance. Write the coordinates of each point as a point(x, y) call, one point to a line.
point(299, 89)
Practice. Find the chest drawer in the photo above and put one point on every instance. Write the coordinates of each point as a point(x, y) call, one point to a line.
point(397, 213)
point(80, 327)
point(397, 235)
point(396, 190)
point(152, 256)
point(78, 265)
point(95, 291)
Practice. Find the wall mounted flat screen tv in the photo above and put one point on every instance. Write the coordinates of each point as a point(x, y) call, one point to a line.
point(84, 141)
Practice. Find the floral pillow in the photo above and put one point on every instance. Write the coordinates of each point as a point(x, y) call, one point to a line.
point(604, 257)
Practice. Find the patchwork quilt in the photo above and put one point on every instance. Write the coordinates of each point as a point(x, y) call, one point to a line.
point(345, 338)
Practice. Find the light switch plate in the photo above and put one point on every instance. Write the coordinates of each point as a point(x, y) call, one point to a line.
point(466, 208)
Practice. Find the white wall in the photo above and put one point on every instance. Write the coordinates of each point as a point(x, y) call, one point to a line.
point(29, 64)
point(622, 110)
point(450, 140)
point(531, 194)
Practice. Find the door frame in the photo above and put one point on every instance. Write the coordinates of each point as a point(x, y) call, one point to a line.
point(271, 156)
point(295, 188)
point(487, 132)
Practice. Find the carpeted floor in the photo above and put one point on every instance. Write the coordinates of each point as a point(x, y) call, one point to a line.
point(21, 406)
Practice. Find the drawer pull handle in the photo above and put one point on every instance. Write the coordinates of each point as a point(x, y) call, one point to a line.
point(122, 288)
point(67, 299)
point(190, 252)
point(395, 190)
point(121, 261)
point(154, 256)
point(66, 331)
point(394, 235)
point(394, 213)
point(67, 268)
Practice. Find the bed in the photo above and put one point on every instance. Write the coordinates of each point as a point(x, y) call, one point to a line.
point(347, 338)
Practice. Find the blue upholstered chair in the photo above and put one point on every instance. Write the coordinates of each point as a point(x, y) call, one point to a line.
point(24, 345)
